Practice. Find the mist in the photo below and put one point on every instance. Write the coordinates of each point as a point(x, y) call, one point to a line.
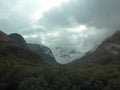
point(79, 25)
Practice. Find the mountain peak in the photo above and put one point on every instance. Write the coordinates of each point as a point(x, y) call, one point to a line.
point(18, 39)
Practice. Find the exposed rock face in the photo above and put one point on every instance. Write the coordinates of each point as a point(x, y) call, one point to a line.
point(107, 53)
point(44, 52)
point(18, 39)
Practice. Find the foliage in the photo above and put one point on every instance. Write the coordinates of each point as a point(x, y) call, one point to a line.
point(21, 72)
point(27, 77)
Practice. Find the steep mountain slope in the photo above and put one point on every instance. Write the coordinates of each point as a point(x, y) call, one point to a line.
point(12, 50)
point(16, 47)
point(107, 53)
point(44, 52)
point(17, 54)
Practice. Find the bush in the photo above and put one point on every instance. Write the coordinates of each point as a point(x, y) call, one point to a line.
point(26, 77)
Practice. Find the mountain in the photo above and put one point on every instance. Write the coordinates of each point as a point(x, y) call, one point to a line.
point(18, 39)
point(44, 52)
point(17, 54)
point(107, 53)
point(12, 39)
point(4, 38)
point(12, 49)
point(16, 46)
point(22, 69)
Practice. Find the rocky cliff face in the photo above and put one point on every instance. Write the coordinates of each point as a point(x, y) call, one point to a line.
point(107, 53)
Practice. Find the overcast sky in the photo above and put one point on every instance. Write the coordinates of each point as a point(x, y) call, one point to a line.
point(78, 25)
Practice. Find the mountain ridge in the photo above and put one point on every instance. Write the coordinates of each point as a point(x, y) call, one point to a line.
point(14, 46)
point(109, 49)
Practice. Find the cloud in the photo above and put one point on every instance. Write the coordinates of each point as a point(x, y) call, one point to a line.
point(101, 18)
point(78, 25)
point(97, 13)
point(16, 15)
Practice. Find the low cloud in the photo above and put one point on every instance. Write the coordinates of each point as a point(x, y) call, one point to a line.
point(78, 25)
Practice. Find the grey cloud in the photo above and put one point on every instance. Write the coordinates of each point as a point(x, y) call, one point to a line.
point(97, 13)
point(13, 24)
point(14, 15)
point(55, 18)
point(101, 17)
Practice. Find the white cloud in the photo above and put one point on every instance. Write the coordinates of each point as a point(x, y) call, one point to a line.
point(77, 29)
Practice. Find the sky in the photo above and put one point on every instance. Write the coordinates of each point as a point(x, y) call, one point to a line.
point(79, 25)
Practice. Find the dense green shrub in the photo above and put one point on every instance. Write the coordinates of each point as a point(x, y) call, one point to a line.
point(9, 77)
point(27, 77)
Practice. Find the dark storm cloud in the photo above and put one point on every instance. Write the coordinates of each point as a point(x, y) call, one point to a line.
point(101, 17)
point(97, 13)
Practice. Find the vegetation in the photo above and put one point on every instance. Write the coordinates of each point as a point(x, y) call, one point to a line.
point(30, 77)
point(20, 71)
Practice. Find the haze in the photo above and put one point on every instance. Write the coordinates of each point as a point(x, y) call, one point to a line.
point(79, 25)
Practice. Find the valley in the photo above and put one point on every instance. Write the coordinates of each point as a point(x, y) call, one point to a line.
point(28, 66)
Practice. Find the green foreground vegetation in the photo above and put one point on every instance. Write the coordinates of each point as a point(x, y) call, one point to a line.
point(43, 77)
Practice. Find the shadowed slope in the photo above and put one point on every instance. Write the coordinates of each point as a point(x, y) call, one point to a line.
point(107, 53)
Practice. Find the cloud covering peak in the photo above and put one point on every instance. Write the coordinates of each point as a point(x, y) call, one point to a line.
point(78, 25)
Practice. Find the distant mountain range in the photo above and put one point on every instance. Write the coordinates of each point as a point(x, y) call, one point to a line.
point(14, 46)
point(107, 53)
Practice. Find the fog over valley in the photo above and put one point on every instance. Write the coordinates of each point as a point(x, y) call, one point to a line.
point(69, 27)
